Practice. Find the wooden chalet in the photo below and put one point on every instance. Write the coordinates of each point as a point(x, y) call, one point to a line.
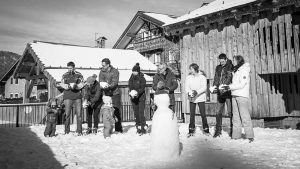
point(145, 34)
point(264, 32)
point(44, 63)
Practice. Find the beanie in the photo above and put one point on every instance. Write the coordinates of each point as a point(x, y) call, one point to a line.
point(136, 68)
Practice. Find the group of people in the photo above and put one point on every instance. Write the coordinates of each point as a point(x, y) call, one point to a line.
point(231, 84)
point(100, 98)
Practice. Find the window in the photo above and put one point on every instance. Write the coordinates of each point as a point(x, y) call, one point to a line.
point(11, 95)
point(16, 95)
point(171, 57)
point(12, 81)
point(157, 58)
point(16, 81)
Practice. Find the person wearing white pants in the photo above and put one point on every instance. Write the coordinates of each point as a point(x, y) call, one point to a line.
point(240, 99)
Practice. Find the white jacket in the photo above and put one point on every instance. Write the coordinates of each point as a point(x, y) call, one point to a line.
point(198, 83)
point(241, 81)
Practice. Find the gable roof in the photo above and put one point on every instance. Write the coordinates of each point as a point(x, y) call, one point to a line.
point(52, 59)
point(10, 72)
point(136, 24)
point(215, 6)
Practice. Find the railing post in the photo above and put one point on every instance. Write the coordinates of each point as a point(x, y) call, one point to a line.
point(17, 116)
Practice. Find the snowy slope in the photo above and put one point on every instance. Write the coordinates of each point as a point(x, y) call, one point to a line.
point(28, 148)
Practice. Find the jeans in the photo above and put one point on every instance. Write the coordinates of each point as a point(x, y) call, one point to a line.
point(138, 107)
point(116, 99)
point(220, 112)
point(69, 105)
point(202, 112)
point(93, 112)
point(241, 118)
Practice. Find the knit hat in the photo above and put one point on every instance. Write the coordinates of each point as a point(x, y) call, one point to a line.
point(136, 68)
point(90, 80)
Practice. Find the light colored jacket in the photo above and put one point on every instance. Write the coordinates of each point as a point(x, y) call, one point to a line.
point(198, 83)
point(241, 81)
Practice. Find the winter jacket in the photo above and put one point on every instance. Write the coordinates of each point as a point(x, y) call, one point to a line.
point(170, 82)
point(110, 76)
point(198, 83)
point(51, 115)
point(93, 94)
point(241, 81)
point(138, 83)
point(108, 115)
point(72, 77)
point(223, 75)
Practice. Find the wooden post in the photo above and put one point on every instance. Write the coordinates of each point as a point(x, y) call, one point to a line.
point(25, 99)
point(17, 116)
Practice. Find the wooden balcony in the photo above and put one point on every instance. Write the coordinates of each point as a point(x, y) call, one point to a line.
point(149, 44)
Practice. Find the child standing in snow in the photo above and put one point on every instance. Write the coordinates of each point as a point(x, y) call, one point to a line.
point(51, 118)
point(107, 112)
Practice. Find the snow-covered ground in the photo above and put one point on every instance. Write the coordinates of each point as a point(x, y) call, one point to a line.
point(28, 148)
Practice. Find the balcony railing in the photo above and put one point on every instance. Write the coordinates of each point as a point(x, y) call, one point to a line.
point(150, 44)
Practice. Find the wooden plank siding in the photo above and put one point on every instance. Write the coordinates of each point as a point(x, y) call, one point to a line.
point(269, 42)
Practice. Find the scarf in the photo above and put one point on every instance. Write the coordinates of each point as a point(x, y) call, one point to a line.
point(236, 67)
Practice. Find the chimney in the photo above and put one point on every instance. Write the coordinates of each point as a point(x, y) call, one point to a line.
point(100, 42)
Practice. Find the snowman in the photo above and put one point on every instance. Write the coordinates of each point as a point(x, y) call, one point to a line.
point(164, 131)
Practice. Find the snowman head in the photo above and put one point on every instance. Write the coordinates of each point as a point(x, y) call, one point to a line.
point(162, 100)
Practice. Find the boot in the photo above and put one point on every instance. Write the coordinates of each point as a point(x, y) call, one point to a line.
point(218, 132)
point(206, 131)
point(95, 130)
point(143, 130)
point(138, 129)
point(191, 132)
point(88, 131)
point(251, 140)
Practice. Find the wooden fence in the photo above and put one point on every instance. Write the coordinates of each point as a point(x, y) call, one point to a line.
point(24, 115)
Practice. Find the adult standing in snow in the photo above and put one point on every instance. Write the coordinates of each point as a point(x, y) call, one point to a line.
point(196, 86)
point(166, 80)
point(93, 98)
point(137, 85)
point(223, 75)
point(240, 99)
point(110, 76)
point(72, 82)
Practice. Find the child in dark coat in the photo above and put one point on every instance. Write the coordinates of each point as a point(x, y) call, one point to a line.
point(51, 118)
point(107, 111)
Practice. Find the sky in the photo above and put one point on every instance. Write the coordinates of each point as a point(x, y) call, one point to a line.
point(75, 21)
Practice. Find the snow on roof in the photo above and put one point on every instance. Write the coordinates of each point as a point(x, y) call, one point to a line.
point(161, 17)
point(58, 55)
point(124, 74)
point(215, 6)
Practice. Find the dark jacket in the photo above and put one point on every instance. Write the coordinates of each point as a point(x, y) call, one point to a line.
point(170, 82)
point(73, 77)
point(223, 75)
point(138, 83)
point(92, 93)
point(51, 115)
point(110, 76)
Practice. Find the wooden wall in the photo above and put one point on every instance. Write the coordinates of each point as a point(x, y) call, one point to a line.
point(269, 42)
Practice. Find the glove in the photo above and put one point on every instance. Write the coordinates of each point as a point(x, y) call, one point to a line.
point(160, 85)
